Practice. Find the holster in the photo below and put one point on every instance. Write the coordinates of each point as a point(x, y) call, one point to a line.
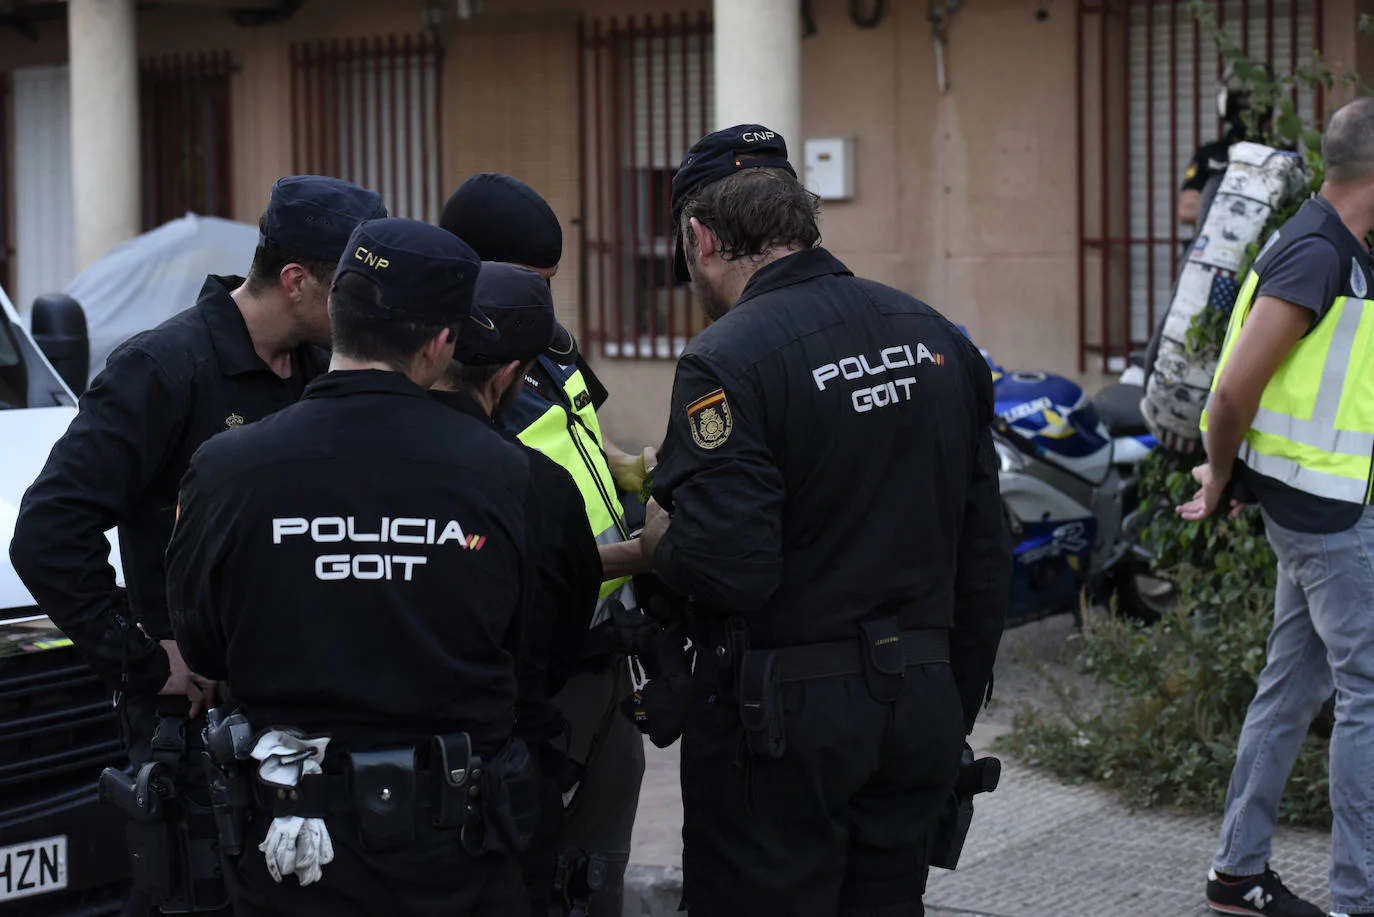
point(883, 660)
point(229, 801)
point(382, 787)
point(225, 760)
point(150, 834)
point(948, 836)
point(510, 799)
point(760, 704)
point(456, 771)
point(171, 834)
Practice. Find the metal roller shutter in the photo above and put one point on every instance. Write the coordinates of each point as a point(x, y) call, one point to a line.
point(1163, 124)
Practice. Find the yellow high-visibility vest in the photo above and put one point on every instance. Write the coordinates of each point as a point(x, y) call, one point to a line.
point(1314, 430)
point(571, 435)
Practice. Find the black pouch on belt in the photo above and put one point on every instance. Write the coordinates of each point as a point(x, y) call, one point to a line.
point(659, 709)
point(884, 661)
point(452, 764)
point(510, 798)
point(760, 703)
point(382, 784)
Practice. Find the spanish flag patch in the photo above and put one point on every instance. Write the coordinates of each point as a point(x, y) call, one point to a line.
point(709, 419)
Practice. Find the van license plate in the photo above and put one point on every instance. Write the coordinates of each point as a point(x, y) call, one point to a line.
point(33, 868)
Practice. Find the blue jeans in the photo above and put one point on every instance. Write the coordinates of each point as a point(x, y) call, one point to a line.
point(1323, 637)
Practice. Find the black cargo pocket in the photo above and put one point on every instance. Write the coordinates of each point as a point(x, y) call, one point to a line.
point(510, 799)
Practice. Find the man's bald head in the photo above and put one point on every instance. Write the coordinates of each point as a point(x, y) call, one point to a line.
point(1348, 146)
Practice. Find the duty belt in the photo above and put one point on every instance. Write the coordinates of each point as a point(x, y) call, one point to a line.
point(823, 660)
point(322, 795)
point(494, 803)
point(846, 657)
point(882, 653)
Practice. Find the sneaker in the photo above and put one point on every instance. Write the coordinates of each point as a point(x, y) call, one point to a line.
point(1264, 895)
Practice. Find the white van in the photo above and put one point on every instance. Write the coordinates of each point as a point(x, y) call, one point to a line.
point(61, 851)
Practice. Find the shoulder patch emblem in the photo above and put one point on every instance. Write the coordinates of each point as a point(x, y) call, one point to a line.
point(232, 421)
point(709, 419)
point(1358, 284)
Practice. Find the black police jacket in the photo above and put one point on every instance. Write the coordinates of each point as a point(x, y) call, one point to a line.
point(829, 459)
point(356, 564)
point(161, 394)
point(562, 551)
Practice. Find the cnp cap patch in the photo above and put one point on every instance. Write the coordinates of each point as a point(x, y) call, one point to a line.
point(709, 419)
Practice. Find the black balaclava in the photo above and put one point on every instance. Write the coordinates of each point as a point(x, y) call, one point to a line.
point(504, 219)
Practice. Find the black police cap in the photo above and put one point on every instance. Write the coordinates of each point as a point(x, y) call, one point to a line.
point(313, 215)
point(424, 273)
point(504, 219)
point(519, 303)
point(717, 156)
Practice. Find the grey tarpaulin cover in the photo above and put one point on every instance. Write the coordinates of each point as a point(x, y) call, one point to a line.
point(154, 276)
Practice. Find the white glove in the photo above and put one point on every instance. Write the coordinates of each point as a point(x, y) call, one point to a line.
point(314, 848)
point(288, 756)
point(293, 844)
point(280, 845)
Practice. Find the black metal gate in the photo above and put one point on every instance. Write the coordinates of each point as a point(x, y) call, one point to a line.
point(645, 90)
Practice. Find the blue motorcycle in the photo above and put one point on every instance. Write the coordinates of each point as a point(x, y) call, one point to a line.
point(1069, 487)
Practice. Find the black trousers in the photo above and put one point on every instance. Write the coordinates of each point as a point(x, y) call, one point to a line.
point(837, 825)
point(601, 818)
point(539, 863)
point(430, 877)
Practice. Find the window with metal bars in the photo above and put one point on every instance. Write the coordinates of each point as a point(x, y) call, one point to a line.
point(185, 136)
point(1148, 75)
point(646, 89)
point(369, 111)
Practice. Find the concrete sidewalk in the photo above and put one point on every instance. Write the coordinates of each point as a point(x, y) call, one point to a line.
point(1038, 848)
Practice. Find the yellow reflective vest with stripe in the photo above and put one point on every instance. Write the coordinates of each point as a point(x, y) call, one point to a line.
point(1314, 430)
point(560, 421)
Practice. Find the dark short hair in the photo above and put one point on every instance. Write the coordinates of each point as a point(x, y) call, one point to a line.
point(473, 377)
point(753, 211)
point(1348, 145)
point(361, 332)
point(269, 260)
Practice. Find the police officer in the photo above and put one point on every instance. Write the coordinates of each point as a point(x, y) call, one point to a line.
point(1208, 165)
point(555, 412)
point(482, 381)
point(245, 350)
point(356, 566)
point(835, 517)
point(1290, 421)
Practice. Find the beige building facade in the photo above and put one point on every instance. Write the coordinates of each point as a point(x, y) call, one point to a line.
point(981, 169)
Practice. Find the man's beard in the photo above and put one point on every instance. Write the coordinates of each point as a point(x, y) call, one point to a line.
point(712, 302)
point(507, 397)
